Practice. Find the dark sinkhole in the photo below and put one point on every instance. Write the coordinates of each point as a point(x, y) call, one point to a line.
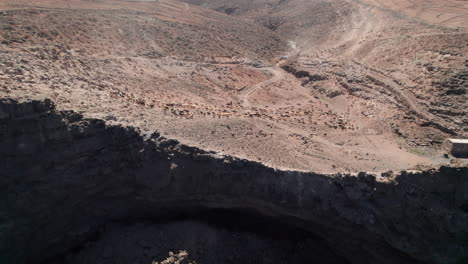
point(214, 236)
point(76, 190)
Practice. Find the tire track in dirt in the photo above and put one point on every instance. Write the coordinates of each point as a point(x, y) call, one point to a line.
point(405, 99)
point(277, 75)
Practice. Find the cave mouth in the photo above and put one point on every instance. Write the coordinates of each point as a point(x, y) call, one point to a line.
point(208, 236)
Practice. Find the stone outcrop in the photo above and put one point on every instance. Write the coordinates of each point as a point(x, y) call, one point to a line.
point(63, 176)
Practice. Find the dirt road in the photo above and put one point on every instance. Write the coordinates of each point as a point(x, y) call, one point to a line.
point(277, 75)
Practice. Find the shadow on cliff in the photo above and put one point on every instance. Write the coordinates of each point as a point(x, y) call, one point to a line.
point(62, 177)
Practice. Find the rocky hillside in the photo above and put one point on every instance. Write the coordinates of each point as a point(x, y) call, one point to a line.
point(377, 90)
point(405, 42)
point(313, 129)
point(124, 29)
point(63, 176)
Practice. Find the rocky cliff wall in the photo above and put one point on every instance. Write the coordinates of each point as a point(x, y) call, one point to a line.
point(63, 176)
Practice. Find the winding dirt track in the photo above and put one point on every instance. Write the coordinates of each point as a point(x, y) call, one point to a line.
point(399, 94)
point(277, 75)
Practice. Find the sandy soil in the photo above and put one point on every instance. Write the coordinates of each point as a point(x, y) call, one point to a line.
point(312, 85)
point(449, 13)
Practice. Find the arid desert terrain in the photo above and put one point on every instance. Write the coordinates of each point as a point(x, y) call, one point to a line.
point(326, 86)
point(329, 115)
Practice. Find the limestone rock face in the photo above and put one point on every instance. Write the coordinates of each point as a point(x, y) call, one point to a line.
point(63, 176)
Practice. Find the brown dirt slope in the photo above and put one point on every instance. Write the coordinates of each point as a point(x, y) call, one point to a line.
point(449, 13)
point(133, 28)
point(319, 85)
